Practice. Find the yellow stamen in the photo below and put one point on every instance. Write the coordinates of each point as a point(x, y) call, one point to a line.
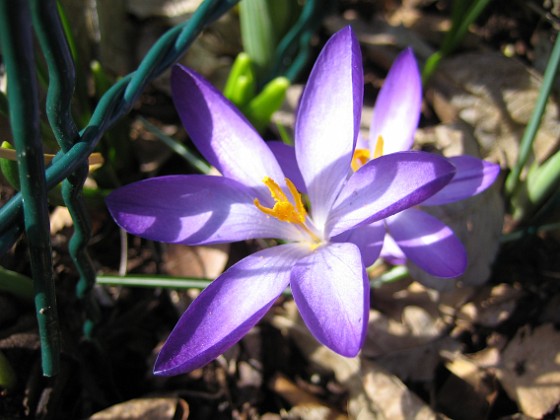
point(378, 147)
point(363, 156)
point(360, 158)
point(283, 209)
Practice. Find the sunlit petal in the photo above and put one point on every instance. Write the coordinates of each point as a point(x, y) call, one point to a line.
point(227, 309)
point(472, 176)
point(387, 185)
point(328, 119)
point(220, 132)
point(428, 243)
point(193, 209)
point(331, 290)
point(397, 109)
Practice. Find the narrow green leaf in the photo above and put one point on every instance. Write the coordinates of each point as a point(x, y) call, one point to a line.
point(9, 168)
point(16, 284)
point(196, 162)
point(530, 132)
point(258, 33)
point(7, 374)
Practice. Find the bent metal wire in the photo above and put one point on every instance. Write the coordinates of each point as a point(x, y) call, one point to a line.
point(17, 18)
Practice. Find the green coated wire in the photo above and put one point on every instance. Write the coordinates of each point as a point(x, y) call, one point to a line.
point(62, 81)
point(182, 283)
point(299, 35)
point(512, 181)
point(17, 48)
point(115, 103)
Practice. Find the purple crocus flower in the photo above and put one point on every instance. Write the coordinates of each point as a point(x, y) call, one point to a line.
point(414, 234)
point(321, 254)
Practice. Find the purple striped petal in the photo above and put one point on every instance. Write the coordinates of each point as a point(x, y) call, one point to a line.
point(331, 291)
point(220, 132)
point(387, 185)
point(428, 243)
point(193, 209)
point(398, 106)
point(286, 157)
point(369, 239)
point(227, 309)
point(328, 120)
point(471, 178)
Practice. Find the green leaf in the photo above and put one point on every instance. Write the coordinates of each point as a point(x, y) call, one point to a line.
point(9, 168)
point(260, 109)
point(241, 86)
point(7, 374)
point(16, 284)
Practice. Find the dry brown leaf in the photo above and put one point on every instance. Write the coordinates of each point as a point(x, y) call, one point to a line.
point(491, 306)
point(497, 103)
point(530, 369)
point(374, 393)
point(410, 348)
point(305, 405)
point(196, 261)
point(60, 219)
point(470, 391)
point(146, 409)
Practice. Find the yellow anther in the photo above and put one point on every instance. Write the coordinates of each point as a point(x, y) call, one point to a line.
point(283, 209)
point(378, 147)
point(363, 156)
point(360, 158)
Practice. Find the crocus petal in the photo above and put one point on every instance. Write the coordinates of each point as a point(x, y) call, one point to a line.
point(428, 243)
point(328, 120)
point(193, 209)
point(387, 185)
point(369, 239)
point(391, 251)
point(286, 157)
point(472, 177)
point(219, 131)
point(227, 309)
point(331, 291)
point(398, 105)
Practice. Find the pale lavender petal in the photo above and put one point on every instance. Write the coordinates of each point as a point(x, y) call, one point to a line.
point(472, 176)
point(369, 239)
point(362, 142)
point(428, 243)
point(227, 309)
point(328, 120)
point(387, 185)
point(286, 157)
point(398, 106)
point(391, 252)
point(331, 291)
point(193, 209)
point(220, 132)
